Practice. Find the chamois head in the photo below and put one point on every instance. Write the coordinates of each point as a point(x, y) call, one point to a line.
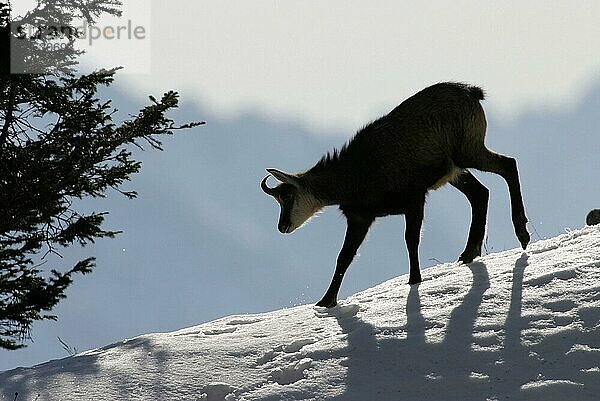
point(296, 203)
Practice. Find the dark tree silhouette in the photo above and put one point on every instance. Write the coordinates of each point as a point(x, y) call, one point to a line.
point(58, 143)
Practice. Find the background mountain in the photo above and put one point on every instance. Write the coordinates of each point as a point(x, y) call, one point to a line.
point(201, 240)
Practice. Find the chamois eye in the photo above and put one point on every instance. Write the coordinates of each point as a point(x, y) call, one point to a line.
point(286, 197)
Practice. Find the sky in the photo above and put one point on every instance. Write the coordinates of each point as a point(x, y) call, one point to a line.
point(339, 64)
point(280, 83)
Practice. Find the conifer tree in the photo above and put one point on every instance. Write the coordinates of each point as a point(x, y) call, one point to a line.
point(58, 143)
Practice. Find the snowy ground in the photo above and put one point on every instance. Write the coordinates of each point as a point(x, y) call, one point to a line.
point(510, 326)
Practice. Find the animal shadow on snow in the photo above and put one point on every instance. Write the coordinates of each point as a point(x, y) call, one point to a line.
point(454, 369)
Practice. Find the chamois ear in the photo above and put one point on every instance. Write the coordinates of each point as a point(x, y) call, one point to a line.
point(284, 177)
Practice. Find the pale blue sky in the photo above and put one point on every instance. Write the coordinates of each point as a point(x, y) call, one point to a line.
point(336, 64)
point(340, 63)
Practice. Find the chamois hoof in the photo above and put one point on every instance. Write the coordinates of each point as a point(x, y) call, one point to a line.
point(412, 281)
point(465, 258)
point(520, 225)
point(523, 237)
point(327, 303)
point(468, 255)
point(471, 252)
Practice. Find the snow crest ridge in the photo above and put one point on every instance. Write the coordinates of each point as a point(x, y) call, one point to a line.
point(510, 326)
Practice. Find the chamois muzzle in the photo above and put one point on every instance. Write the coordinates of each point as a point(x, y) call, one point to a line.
point(265, 187)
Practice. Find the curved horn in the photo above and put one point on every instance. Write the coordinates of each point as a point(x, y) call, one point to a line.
point(284, 177)
point(265, 187)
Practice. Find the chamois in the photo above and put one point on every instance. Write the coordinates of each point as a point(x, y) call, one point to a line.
point(430, 139)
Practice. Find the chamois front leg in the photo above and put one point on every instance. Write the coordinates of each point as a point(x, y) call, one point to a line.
point(357, 229)
point(412, 236)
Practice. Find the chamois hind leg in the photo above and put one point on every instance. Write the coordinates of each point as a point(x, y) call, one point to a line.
point(357, 229)
point(506, 167)
point(478, 196)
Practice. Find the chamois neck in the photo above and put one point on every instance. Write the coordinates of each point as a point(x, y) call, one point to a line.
point(326, 186)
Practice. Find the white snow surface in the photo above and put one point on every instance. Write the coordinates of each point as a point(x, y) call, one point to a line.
point(510, 326)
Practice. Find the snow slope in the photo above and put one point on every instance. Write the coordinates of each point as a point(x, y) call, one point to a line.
point(511, 326)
